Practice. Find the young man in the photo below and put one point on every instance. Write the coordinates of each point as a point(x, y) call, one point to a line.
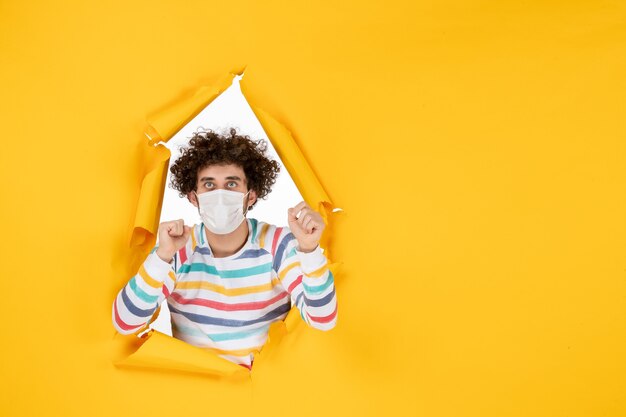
point(227, 279)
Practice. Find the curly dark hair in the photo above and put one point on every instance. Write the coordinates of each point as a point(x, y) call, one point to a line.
point(209, 148)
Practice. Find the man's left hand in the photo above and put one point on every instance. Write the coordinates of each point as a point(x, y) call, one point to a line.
point(307, 227)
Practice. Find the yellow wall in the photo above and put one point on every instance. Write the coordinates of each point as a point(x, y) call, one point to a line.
point(478, 151)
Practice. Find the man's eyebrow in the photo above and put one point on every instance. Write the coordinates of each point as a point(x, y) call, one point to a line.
point(232, 177)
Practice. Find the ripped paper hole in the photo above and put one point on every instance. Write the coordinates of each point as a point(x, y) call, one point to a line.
point(156, 350)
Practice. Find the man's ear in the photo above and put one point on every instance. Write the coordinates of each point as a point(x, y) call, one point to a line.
point(251, 198)
point(192, 198)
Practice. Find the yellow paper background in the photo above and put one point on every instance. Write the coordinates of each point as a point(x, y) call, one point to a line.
point(477, 148)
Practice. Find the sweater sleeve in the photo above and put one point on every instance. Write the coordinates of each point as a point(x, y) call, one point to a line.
point(309, 282)
point(135, 304)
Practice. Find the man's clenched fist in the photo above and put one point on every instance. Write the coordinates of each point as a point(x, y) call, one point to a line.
point(306, 225)
point(172, 237)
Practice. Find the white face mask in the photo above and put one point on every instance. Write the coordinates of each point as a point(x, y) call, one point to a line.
point(221, 210)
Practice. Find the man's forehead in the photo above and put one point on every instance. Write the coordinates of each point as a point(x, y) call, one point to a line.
point(225, 171)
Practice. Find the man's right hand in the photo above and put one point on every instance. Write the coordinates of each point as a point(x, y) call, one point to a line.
point(173, 235)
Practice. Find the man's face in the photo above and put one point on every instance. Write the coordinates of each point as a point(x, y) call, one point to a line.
point(222, 177)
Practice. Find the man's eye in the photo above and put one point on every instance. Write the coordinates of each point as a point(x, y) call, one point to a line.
point(208, 184)
point(232, 184)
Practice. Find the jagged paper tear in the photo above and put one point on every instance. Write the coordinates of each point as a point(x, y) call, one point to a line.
point(155, 350)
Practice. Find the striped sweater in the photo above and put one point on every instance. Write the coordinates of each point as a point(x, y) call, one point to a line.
point(226, 305)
